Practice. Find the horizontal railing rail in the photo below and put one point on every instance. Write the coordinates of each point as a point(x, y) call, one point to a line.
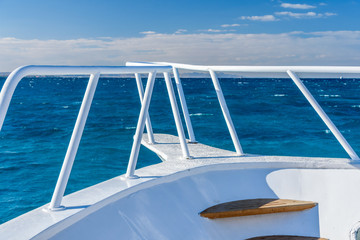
point(267, 71)
point(15, 77)
point(292, 72)
point(136, 68)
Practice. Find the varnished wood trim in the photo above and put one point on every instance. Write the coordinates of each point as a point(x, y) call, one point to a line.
point(255, 207)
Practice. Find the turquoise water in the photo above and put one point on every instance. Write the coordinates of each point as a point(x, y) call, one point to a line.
point(271, 117)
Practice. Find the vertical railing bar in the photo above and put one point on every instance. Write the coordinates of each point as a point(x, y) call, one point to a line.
point(184, 107)
point(226, 113)
point(59, 191)
point(175, 110)
point(140, 127)
point(323, 115)
point(149, 128)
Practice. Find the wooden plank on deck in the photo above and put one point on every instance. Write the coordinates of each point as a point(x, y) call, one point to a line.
point(255, 207)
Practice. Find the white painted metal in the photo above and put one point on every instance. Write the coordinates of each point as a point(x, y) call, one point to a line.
point(15, 77)
point(62, 181)
point(226, 113)
point(184, 107)
point(149, 129)
point(94, 71)
point(140, 126)
point(177, 118)
point(282, 71)
point(266, 71)
point(323, 115)
point(140, 208)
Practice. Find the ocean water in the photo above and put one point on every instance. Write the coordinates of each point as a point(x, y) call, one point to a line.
point(271, 117)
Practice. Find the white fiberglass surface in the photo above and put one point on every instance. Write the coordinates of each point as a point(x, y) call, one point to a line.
point(335, 190)
point(170, 209)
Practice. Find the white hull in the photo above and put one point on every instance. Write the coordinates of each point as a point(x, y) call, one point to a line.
point(165, 202)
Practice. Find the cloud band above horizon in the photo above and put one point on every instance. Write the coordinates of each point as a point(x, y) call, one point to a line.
point(294, 48)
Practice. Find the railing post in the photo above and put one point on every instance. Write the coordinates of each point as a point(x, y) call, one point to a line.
point(149, 129)
point(226, 113)
point(7, 91)
point(184, 107)
point(177, 118)
point(323, 115)
point(58, 194)
point(140, 127)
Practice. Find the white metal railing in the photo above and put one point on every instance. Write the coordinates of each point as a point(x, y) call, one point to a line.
point(294, 72)
point(152, 69)
point(94, 71)
point(226, 112)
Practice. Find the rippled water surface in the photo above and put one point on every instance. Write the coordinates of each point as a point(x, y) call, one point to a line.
point(271, 117)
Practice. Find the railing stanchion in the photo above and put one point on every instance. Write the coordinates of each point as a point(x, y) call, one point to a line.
point(58, 194)
point(140, 127)
point(149, 129)
point(323, 115)
point(184, 107)
point(226, 113)
point(177, 118)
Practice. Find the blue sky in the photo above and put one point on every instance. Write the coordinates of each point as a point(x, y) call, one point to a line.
point(256, 32)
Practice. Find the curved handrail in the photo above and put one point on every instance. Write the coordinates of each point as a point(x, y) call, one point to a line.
point(266, 71)
point(15, 77)
point(294, 72)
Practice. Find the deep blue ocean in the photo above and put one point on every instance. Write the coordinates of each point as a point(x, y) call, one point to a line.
point(271, 117)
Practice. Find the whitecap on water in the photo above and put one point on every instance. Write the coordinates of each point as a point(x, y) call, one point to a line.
point(279, 95)
point(242, 83)
point(201, 114)
point(9, 152)
point(327, 96)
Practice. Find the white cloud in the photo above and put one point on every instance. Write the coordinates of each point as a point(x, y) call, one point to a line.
point(297, 15)
point(214, 30)
point(305, 15)
point(265, 18)
point(297, 6)
point(318, 48)
point(180, 31)
point(230, 25)
point(148, 32)
point(210, 30)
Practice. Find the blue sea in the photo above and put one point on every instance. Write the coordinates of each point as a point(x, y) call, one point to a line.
point(271, 117)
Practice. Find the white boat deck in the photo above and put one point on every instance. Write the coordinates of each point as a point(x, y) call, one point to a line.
point(167, 147)
point(86, 201)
